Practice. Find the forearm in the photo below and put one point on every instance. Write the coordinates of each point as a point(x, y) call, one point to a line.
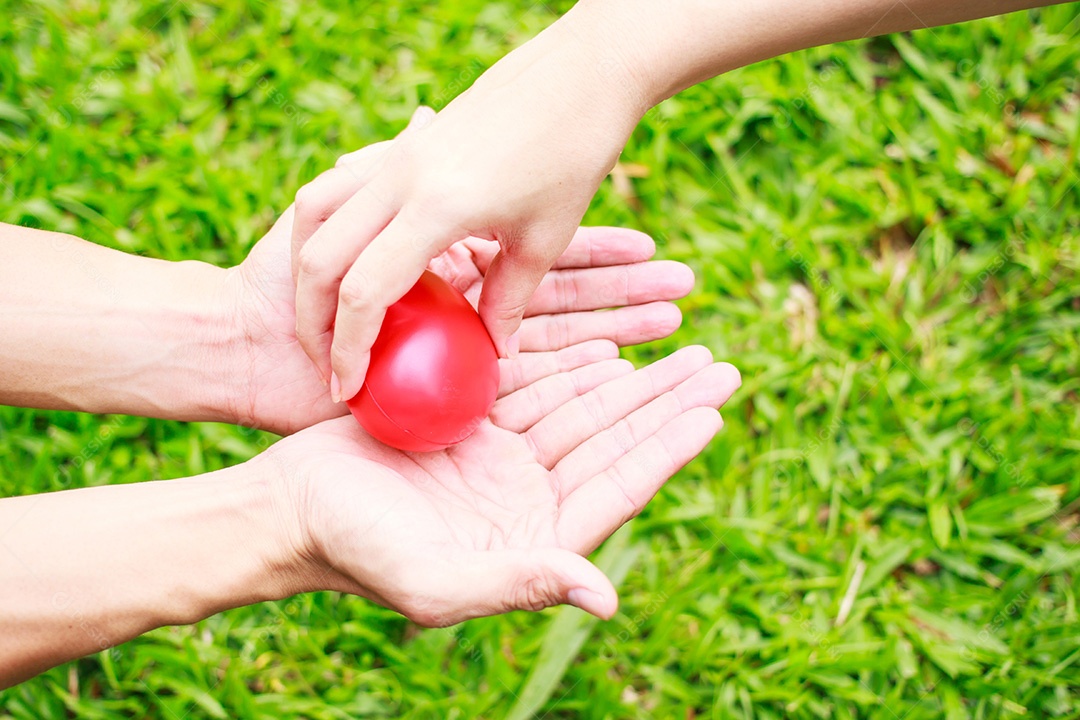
point(93, 329)
point(657, 48)
point(83, 570)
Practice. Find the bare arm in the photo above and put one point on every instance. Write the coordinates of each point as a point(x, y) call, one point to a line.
point(661, 47)
point(93, 329)
point(84, 570)
point(537, 133)
point(331, 508)
point(83, 327)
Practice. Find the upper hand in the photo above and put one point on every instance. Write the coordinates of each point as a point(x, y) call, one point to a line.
point(515, 160)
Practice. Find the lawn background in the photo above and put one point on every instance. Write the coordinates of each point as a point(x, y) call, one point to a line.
point(887, 240)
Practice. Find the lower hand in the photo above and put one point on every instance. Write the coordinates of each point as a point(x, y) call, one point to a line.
point(502, 520)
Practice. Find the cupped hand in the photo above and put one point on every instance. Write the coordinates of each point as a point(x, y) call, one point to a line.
point(502, 520)
point(516, 160)
point(602, 268)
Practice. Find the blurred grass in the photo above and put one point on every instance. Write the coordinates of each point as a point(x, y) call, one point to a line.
point(887, 240)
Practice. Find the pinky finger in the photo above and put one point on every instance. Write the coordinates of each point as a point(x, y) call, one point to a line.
point(599, 507)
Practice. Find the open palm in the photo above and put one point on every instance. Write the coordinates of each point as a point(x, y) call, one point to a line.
point(603, 268)
point(501, 520)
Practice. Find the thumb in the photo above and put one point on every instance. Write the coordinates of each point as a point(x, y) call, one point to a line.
point(509, 284)
point(536, 579)
point(499, 581)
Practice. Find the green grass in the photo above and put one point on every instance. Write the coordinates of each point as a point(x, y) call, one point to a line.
point(887, 241)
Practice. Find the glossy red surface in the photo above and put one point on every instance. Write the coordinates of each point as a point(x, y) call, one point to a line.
point(434, 372)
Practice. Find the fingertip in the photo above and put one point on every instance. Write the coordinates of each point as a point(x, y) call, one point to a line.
point(505, 337)
point(349, 378)
point(706, 418)
point(600, 349)
point(502, 328)
point(670, 316)
point(601, 603)
point(699, 353)
point(641, 244)
point(682, 278)
point(652, 321)
point(611, 608)
point(732, 371)
point(630, 245)
point(335, 387)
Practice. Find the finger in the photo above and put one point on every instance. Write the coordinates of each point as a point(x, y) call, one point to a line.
point(379, 277)
point(521, 410)
point(528, 367)
point(322, 197)
point(318, 200)
point(607, 287)
point(366, 157)
point(323, 262)
point(457, 266)
point(709, 387)
point(499, 581)
point(625, 326)
point(590, 247)
point(582, 418)
point(603, 504)
point(510, 282)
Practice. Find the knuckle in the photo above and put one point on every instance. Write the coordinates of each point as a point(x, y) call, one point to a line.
point(308, 201)
point(532, 593)
point(566, 290)
point(558, 331)
point(512, 377)
point(415, 601)
point(623, 437)
point(594, 406)
point(423, 611)
point(356, 293)
point(309, 262)
point(427, 617)
point(511, 311)
point(450, 199)
point(341, 357)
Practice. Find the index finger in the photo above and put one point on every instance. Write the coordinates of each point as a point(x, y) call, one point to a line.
point(386, 269)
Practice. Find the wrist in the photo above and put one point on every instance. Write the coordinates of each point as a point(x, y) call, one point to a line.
point(271, 529)
point(201, 350)
point(287, 489)
point(108, 332)
point(581, 85)
point(609, 56)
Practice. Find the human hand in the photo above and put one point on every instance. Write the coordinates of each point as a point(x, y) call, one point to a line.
point(516, 159)
point(602, 268)
point(500, 521)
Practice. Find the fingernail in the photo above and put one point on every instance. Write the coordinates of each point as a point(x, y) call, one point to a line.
point(589, 601)
point(513, 345)
point(335, 388)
